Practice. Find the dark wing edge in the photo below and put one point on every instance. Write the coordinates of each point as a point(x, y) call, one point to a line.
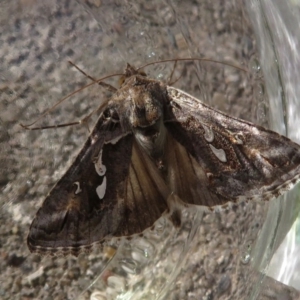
point(236, 160)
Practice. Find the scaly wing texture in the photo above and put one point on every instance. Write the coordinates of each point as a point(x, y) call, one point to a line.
point(186, 177)
point(224, 158)
point(111, 190)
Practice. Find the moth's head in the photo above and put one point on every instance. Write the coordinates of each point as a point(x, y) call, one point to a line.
point(129, 72)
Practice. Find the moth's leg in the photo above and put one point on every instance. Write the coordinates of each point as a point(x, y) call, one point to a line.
point(170, 78)
point(105, 85)
point(109, 87)
point(169, 82)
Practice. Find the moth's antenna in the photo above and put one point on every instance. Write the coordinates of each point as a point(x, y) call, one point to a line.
point(68, 96)
point(81, 71)
point(106, 85)
point(191, 59)
point(173, 82)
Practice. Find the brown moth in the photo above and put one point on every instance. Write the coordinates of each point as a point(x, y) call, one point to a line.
point(151, 146)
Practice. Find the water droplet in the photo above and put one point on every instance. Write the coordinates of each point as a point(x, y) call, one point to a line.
point(160, 226)
point(113, 281)
point(116, 283)
point(245, 258)
point(138, 256)
point(128, 265)
point(254, 64)
point(98, 296)
point(145, 247)
point(246, 253)
point(151, 54)
point(160, 76)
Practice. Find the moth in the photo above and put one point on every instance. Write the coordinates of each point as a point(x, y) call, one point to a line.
point(154, 146)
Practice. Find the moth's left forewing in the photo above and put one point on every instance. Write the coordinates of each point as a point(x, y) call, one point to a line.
point(238, 159)
point(84, 206)
point(112, 189)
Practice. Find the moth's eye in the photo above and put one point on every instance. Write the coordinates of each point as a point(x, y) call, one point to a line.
point(121, 80)
point(142, 73)
point(111, 114)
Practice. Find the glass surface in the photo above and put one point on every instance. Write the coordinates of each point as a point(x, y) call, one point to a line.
point(276, 26)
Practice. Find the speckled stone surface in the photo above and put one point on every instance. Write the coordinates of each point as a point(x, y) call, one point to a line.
point(208, 257)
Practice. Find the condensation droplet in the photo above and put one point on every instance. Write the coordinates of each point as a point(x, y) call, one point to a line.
point(151, 54)
point(160, 76)
point(116, 284)
point(138, 256)
point(98, 296)
point(245, 258)
point(145, 247)
point(254, 64)
point(128, 265)
point(246, 254)
point(160, 226)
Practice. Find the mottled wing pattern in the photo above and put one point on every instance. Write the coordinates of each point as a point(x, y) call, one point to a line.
point(223, 158)
point(109, 191)
point(185, 176)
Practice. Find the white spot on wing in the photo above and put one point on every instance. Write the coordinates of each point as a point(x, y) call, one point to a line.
point(94, 138)
point(115, 140)
point(255, 131)
point(101, 189)
point(209, 134)
point(78, 189)
point(219, 153)
point(100, 168)
point(238, 140)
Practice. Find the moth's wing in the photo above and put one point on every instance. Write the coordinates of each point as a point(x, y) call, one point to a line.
point(224, 158)
point(85, 208)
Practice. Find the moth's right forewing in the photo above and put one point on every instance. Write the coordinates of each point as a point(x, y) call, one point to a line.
point(240, 160)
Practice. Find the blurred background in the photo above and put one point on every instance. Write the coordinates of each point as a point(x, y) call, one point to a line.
point(226, 255)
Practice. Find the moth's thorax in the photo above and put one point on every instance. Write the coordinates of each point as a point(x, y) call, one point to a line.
point(152, 139)
point(145, 110)
point(139, 106)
